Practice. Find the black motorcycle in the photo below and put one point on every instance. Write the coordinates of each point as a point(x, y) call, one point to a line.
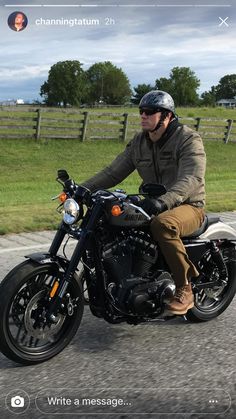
point(116, 268)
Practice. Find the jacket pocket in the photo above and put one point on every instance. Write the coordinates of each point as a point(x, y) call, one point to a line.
point(145, 169)
point(143, 162)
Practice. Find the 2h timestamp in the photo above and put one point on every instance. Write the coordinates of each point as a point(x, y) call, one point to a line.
point(109, 21)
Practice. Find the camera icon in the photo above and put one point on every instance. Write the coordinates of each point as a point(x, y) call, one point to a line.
point(17, 401)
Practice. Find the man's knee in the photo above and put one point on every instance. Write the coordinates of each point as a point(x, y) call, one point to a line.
point(163, 228)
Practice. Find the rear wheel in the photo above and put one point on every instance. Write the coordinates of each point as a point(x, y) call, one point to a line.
point(26, 334)
point(211, 302)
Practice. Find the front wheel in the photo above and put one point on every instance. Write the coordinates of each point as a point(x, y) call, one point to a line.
point(26, 335)
point(211, 302)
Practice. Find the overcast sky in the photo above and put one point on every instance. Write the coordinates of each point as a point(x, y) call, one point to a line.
point(145, 41)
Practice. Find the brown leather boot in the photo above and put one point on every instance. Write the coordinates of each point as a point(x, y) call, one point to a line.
point(182, 301)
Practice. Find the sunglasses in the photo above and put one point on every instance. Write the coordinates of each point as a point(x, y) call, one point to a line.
point(149, 111)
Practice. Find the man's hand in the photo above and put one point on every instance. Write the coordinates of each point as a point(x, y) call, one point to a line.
point(152, 206)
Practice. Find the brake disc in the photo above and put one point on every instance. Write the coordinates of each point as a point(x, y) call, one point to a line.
point(214, 292)
point(35, 312)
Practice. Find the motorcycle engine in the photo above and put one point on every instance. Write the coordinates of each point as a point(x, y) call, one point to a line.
point(133, 281)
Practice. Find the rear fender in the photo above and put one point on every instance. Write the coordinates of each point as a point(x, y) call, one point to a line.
point(219, 231)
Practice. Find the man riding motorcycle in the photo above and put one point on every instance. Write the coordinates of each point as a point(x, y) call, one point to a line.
point(169, 153)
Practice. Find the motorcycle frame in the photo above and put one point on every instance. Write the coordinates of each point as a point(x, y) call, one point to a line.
point(86, 240)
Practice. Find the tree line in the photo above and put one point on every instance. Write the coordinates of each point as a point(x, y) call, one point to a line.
point(68, 84)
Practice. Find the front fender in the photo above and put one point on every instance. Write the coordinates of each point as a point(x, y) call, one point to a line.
point(46, 258)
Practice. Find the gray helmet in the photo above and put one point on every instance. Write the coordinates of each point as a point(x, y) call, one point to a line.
point(158, 99)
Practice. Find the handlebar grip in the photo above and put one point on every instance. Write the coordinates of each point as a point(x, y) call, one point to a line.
point(82, 194)
point(62, 175)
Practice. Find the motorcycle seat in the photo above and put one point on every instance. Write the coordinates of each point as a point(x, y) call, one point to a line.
point(208, 220)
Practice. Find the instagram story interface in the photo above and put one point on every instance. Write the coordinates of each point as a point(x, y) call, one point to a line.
point(71, 79)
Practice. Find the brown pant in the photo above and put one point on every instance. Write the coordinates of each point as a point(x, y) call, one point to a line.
point(167, 228)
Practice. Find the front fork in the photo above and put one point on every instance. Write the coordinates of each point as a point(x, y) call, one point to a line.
point(82, 235)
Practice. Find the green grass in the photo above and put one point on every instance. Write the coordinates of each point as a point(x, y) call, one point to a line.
point(205, 111)
point(28, 172)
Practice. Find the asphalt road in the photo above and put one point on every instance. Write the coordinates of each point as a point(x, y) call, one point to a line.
point(171, 369)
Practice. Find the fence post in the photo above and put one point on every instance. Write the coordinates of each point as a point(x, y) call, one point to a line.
point(125, 128)
point(228, 127)
point(197, 125)
point(38, 124)
point(84, 128)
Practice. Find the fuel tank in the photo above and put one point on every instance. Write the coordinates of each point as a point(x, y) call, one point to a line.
point(130, 215)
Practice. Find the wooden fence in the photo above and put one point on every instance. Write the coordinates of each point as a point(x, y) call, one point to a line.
point(45, 123)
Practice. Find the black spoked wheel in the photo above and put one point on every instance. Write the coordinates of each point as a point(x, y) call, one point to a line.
point(211, 302)
point(26, 334)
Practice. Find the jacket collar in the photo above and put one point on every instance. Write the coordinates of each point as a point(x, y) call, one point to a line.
point(173, 125)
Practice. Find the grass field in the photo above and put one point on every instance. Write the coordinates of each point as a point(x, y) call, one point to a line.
point(28, 172)
point(204, 112)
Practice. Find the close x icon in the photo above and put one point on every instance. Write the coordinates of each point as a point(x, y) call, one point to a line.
point(223, 21)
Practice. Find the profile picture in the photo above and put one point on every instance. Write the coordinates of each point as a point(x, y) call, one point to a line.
point(17, 21)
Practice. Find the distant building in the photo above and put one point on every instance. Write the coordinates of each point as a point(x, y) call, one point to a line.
point(227, 103)
point(12, 102)
point(8, 102)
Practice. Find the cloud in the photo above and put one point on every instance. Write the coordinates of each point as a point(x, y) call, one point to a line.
point(145, 42)
point(24, 73)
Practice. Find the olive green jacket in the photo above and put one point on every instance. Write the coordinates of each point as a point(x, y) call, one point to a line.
point(177, 160)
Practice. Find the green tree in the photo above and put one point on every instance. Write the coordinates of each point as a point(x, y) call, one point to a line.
point(226, 88)
point(139, 91)
point(182, 85)
point(208, 98)
point(108, 84)
point(66, 84)
point(165, 84)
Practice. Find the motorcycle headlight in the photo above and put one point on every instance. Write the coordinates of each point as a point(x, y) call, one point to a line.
point(71, 211)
